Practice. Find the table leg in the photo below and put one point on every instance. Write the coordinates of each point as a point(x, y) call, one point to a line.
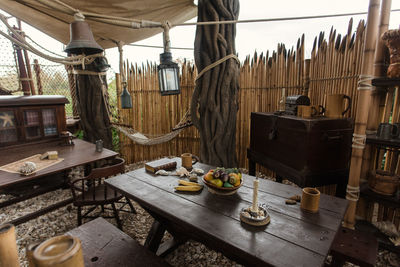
point(155, 235)
point(341, 187)
point(170, 245)
point(252, 167)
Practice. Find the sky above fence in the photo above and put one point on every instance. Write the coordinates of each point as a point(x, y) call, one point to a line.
point(250, 37)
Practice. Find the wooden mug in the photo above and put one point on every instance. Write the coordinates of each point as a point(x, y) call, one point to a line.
point(59, 251)
point(8, 246)
point(304, 111)
point(188, 160)
point(334, 105)
point(310, 199)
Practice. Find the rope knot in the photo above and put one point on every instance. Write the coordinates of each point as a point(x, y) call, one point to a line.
point(78, 16)
point(359, 141)
point(353, 193)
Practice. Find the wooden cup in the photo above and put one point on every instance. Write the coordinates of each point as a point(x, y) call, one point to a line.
point(306, 111)
point(188, 160)
point(310, 199)
point(335, 106)
point(8, 246)
point(59, 251)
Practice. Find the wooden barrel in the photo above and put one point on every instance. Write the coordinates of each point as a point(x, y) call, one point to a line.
point(8, 246)
point(59, 251)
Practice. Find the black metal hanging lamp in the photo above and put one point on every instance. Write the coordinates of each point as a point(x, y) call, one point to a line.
point(168, 71)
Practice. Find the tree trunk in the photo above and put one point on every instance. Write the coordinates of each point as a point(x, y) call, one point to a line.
point(91, 93)
point(215, 98)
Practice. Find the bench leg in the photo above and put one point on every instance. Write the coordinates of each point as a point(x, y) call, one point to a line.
point(79, 214)
point(337, 262)
point(155, 236)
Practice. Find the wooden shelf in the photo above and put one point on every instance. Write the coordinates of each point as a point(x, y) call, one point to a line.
point(8, 128)
point(386, 82)
point(390, 201)
point(374, 140)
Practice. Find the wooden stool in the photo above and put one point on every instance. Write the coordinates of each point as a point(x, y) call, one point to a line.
point(105, 245)
point(355, 247)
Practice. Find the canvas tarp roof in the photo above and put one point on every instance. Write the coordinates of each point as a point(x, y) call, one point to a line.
point(56, 23)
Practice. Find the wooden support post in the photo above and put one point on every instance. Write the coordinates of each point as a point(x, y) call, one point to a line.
point(23, 77)
point(36, 68)
point(72, 90)
point(28, 67)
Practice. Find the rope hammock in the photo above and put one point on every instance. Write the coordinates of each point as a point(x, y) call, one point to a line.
point(150, 140)
point(144, 140)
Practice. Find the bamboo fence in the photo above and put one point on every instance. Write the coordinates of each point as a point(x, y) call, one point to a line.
point(265, 79)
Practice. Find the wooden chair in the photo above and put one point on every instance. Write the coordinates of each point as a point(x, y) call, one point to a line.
point(92, 191)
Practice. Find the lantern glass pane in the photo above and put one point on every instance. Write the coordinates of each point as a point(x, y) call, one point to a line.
point(170, 82)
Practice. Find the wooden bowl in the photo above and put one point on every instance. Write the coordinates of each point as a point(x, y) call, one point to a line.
point(221, 190)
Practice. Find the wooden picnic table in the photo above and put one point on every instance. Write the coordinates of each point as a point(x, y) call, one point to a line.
point(82, 153)
point(293, 237)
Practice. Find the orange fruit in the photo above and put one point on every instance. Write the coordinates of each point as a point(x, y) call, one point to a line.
point(209, 176)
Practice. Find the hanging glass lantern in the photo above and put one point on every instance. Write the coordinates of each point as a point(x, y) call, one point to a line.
point(126, 100)
point(168, 75)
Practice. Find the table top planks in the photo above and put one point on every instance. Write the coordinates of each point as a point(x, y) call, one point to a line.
point(293, 238)
point(79, 154)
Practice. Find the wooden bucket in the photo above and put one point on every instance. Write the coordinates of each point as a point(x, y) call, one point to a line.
point(384, 183)
point(8, 246)
point(59, 251)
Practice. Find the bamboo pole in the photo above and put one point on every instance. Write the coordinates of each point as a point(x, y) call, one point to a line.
point(363, 103)
point(376, 94)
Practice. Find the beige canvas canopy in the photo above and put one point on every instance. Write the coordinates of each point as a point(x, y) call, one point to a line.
point(56, 23)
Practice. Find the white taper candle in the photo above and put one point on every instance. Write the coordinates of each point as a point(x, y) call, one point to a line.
point(255, 195)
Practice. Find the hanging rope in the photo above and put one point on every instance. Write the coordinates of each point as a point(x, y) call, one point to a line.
point(18, 40)
point(216, 63)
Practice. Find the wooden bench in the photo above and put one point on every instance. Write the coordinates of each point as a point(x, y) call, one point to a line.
point(354, 246)
point(105, 245)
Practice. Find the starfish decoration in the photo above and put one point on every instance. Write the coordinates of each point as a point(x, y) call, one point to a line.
point(7, 119)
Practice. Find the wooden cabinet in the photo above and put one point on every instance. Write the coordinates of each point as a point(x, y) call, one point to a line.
point(25, 119)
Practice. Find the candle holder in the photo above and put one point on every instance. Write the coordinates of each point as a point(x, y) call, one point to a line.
point(256, 218)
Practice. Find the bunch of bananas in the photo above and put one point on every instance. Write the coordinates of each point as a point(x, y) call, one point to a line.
point(188, 186)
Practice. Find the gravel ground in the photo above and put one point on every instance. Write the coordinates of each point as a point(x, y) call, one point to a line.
point(136, 225)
